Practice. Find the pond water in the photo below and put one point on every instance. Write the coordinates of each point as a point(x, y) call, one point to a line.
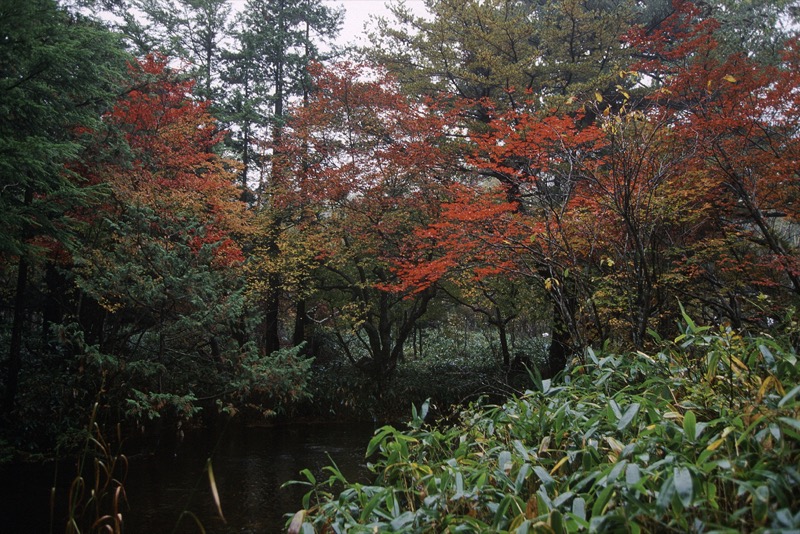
point(250, 464)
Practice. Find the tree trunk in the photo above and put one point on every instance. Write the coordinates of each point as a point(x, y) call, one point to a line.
point(503, 335)
point(15, 346)
point(300, 322)
point(272, 340)
point(52, 308)
point(560, 338)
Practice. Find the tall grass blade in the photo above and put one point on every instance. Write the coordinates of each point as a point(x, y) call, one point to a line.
point(196, 520)
point(214, 492)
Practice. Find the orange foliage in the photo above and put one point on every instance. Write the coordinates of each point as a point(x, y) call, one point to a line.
point(173, 167)
point(367, 166)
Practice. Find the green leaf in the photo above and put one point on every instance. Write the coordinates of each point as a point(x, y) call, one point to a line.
point(602, 501)
point(769, 359)
point(683, 485)
point(615, 409)
point(690, 425)
point(561, 499)
point(520, 448)
point(760, 504)
point(309, 476)
point(521, 477)
point(544, 476)
point(556, 521)
point(502, 509)
point(378, 438)
point(370, 506)
point(628, 416)
point(402, 520)
point(665, 493)
point(632, 474)
point(504, 461)
point(789, 396)
point(579, 508)
point(616, 471)
point(794, 423)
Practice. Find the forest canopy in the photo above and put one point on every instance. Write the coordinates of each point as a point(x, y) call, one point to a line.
point(203, 207)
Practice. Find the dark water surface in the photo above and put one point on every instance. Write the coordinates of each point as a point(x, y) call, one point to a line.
point(250, 464)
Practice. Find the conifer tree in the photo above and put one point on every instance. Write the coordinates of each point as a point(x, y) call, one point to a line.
point(58, 72)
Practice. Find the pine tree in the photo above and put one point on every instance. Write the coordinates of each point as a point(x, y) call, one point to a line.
point(58, 72)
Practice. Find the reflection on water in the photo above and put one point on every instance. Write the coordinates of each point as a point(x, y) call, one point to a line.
point(250, 465)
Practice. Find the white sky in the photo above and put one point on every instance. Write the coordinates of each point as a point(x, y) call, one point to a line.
point(357, 13)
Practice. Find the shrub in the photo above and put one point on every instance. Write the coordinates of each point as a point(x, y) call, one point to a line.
point(702, 436)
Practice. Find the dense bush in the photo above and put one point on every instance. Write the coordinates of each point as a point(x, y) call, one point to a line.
point(702, 436)
point(449, 372)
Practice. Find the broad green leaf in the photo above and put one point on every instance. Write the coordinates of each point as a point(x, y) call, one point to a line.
point(562, 498)
point(504, 461)
point(378, 438)
point(683, 485)
point(309, 476)
point(402, 520)
point(616, 471)
point(794, 423)
point(521, 477)
point(521, 449)
point(370, 506)
point(502, 509)
point(632, 474)
point(579, 508)
point(760, 504)
point(602, 500)
point(615, 409)
point(628, 416)
point(543, 475)
point(690, 425)
point(769, 358)
point(789, 396)
point(556, 521)
point(665, 493)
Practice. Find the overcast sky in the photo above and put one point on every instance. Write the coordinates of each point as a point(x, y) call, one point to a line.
point(357, 13)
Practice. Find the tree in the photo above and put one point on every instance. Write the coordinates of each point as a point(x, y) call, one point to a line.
point(366, 173)
point(574, 174)
point(277, 40)
point(756, 29)
point(192, 30)
point(171, 138)
point(160, 312)
point(59, 72)
point(502, 49)
point(639, 210)
point(171, 171)
point(741, 115)
point(528, 59)
point(534, 160)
